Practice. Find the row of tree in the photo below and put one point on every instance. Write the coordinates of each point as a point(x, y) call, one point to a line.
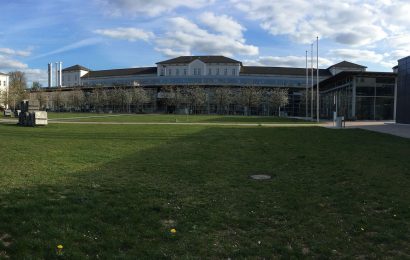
point(192, 99)
point(196, 98)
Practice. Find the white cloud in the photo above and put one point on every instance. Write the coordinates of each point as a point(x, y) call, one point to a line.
point(36, 75)
point(356, 55)
point(7, 63)
point(148, 7)
point(72, 46)
point(286, 61)
point(11, 52)
point(184, 37)
point(350, 22)
point(222, 24)
point(129, 33)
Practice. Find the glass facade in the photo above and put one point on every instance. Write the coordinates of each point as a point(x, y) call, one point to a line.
point(365, 97)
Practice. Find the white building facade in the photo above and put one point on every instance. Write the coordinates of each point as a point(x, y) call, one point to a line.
point(71, 76)
point(4, 87)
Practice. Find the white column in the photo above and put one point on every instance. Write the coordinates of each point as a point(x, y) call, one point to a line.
point(56, 74)
point(50, 75)
point(60, 74)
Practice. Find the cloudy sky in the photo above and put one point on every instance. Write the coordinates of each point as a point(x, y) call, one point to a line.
point(105, 34)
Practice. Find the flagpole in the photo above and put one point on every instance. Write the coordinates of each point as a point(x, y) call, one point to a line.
point(317, 78)
point(306, 86)
point(311, 66)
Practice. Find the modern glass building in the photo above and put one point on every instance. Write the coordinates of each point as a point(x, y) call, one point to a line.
point(359, 95)
point(403, 91)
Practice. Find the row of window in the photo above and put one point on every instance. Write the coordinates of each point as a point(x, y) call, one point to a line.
point(197, 72)
point(4, 83)
point(68, 78)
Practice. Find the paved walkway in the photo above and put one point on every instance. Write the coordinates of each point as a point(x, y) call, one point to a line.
point(392, 129)
point(386, 127)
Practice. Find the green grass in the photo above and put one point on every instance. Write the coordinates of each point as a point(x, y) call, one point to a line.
point(169, 118)
point(115, 191)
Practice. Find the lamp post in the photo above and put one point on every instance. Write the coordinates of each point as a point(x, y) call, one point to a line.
point(311, 67)
point(306, 85)
point(317, 79)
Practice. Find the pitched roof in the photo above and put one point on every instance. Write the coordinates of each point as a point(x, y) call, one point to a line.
point(76, 68)
point(120, 72)
point(262, 70)
point(204, 59)
point(347, 64)
point(5, 74)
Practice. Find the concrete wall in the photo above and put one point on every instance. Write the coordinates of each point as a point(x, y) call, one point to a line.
point(403, 92)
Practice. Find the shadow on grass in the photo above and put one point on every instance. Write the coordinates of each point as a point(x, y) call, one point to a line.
point(329, 196)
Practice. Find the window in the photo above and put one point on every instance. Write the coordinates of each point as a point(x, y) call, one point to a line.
point(199, 71)
point(210, 71)
point(226, 72)
point(169, 72)
point(217, 71)
point(185, 72)
point(233, 72)
point(194, 71)
point(177, 72)
point(162, 72)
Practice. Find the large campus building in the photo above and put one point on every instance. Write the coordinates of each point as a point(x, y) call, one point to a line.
point(345, 87)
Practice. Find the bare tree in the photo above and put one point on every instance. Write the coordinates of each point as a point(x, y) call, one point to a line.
point(223, 98)
point(126, 99)
point(114, 98)
point(248, 97)
point(17, 87)
point(36, 86)
point(99, 99)
point(197, 97)
point(58, 100)
point(41, 97)
point(76, 99)
point(139, 98)
point(278, 98)
point(173, 96)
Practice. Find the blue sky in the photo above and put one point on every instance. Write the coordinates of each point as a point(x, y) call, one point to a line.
point(105, 34)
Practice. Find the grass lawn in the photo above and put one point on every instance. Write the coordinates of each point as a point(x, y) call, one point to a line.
point(169, 118)
point(117, 191)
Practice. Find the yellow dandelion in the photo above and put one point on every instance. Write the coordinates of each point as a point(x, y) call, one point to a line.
point(173, 231)
point(60, 247)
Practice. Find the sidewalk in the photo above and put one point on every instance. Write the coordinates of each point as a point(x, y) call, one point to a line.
point(386, 127)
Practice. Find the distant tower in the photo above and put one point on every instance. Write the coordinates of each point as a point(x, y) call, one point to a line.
point(60, 74)
point(50, 75)
point(57, 74)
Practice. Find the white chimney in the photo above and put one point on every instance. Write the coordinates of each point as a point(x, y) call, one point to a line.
point(60, 75)
point(57, 80)
point(50, 75)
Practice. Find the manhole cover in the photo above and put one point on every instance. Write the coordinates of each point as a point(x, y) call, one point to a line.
point(261, 177)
